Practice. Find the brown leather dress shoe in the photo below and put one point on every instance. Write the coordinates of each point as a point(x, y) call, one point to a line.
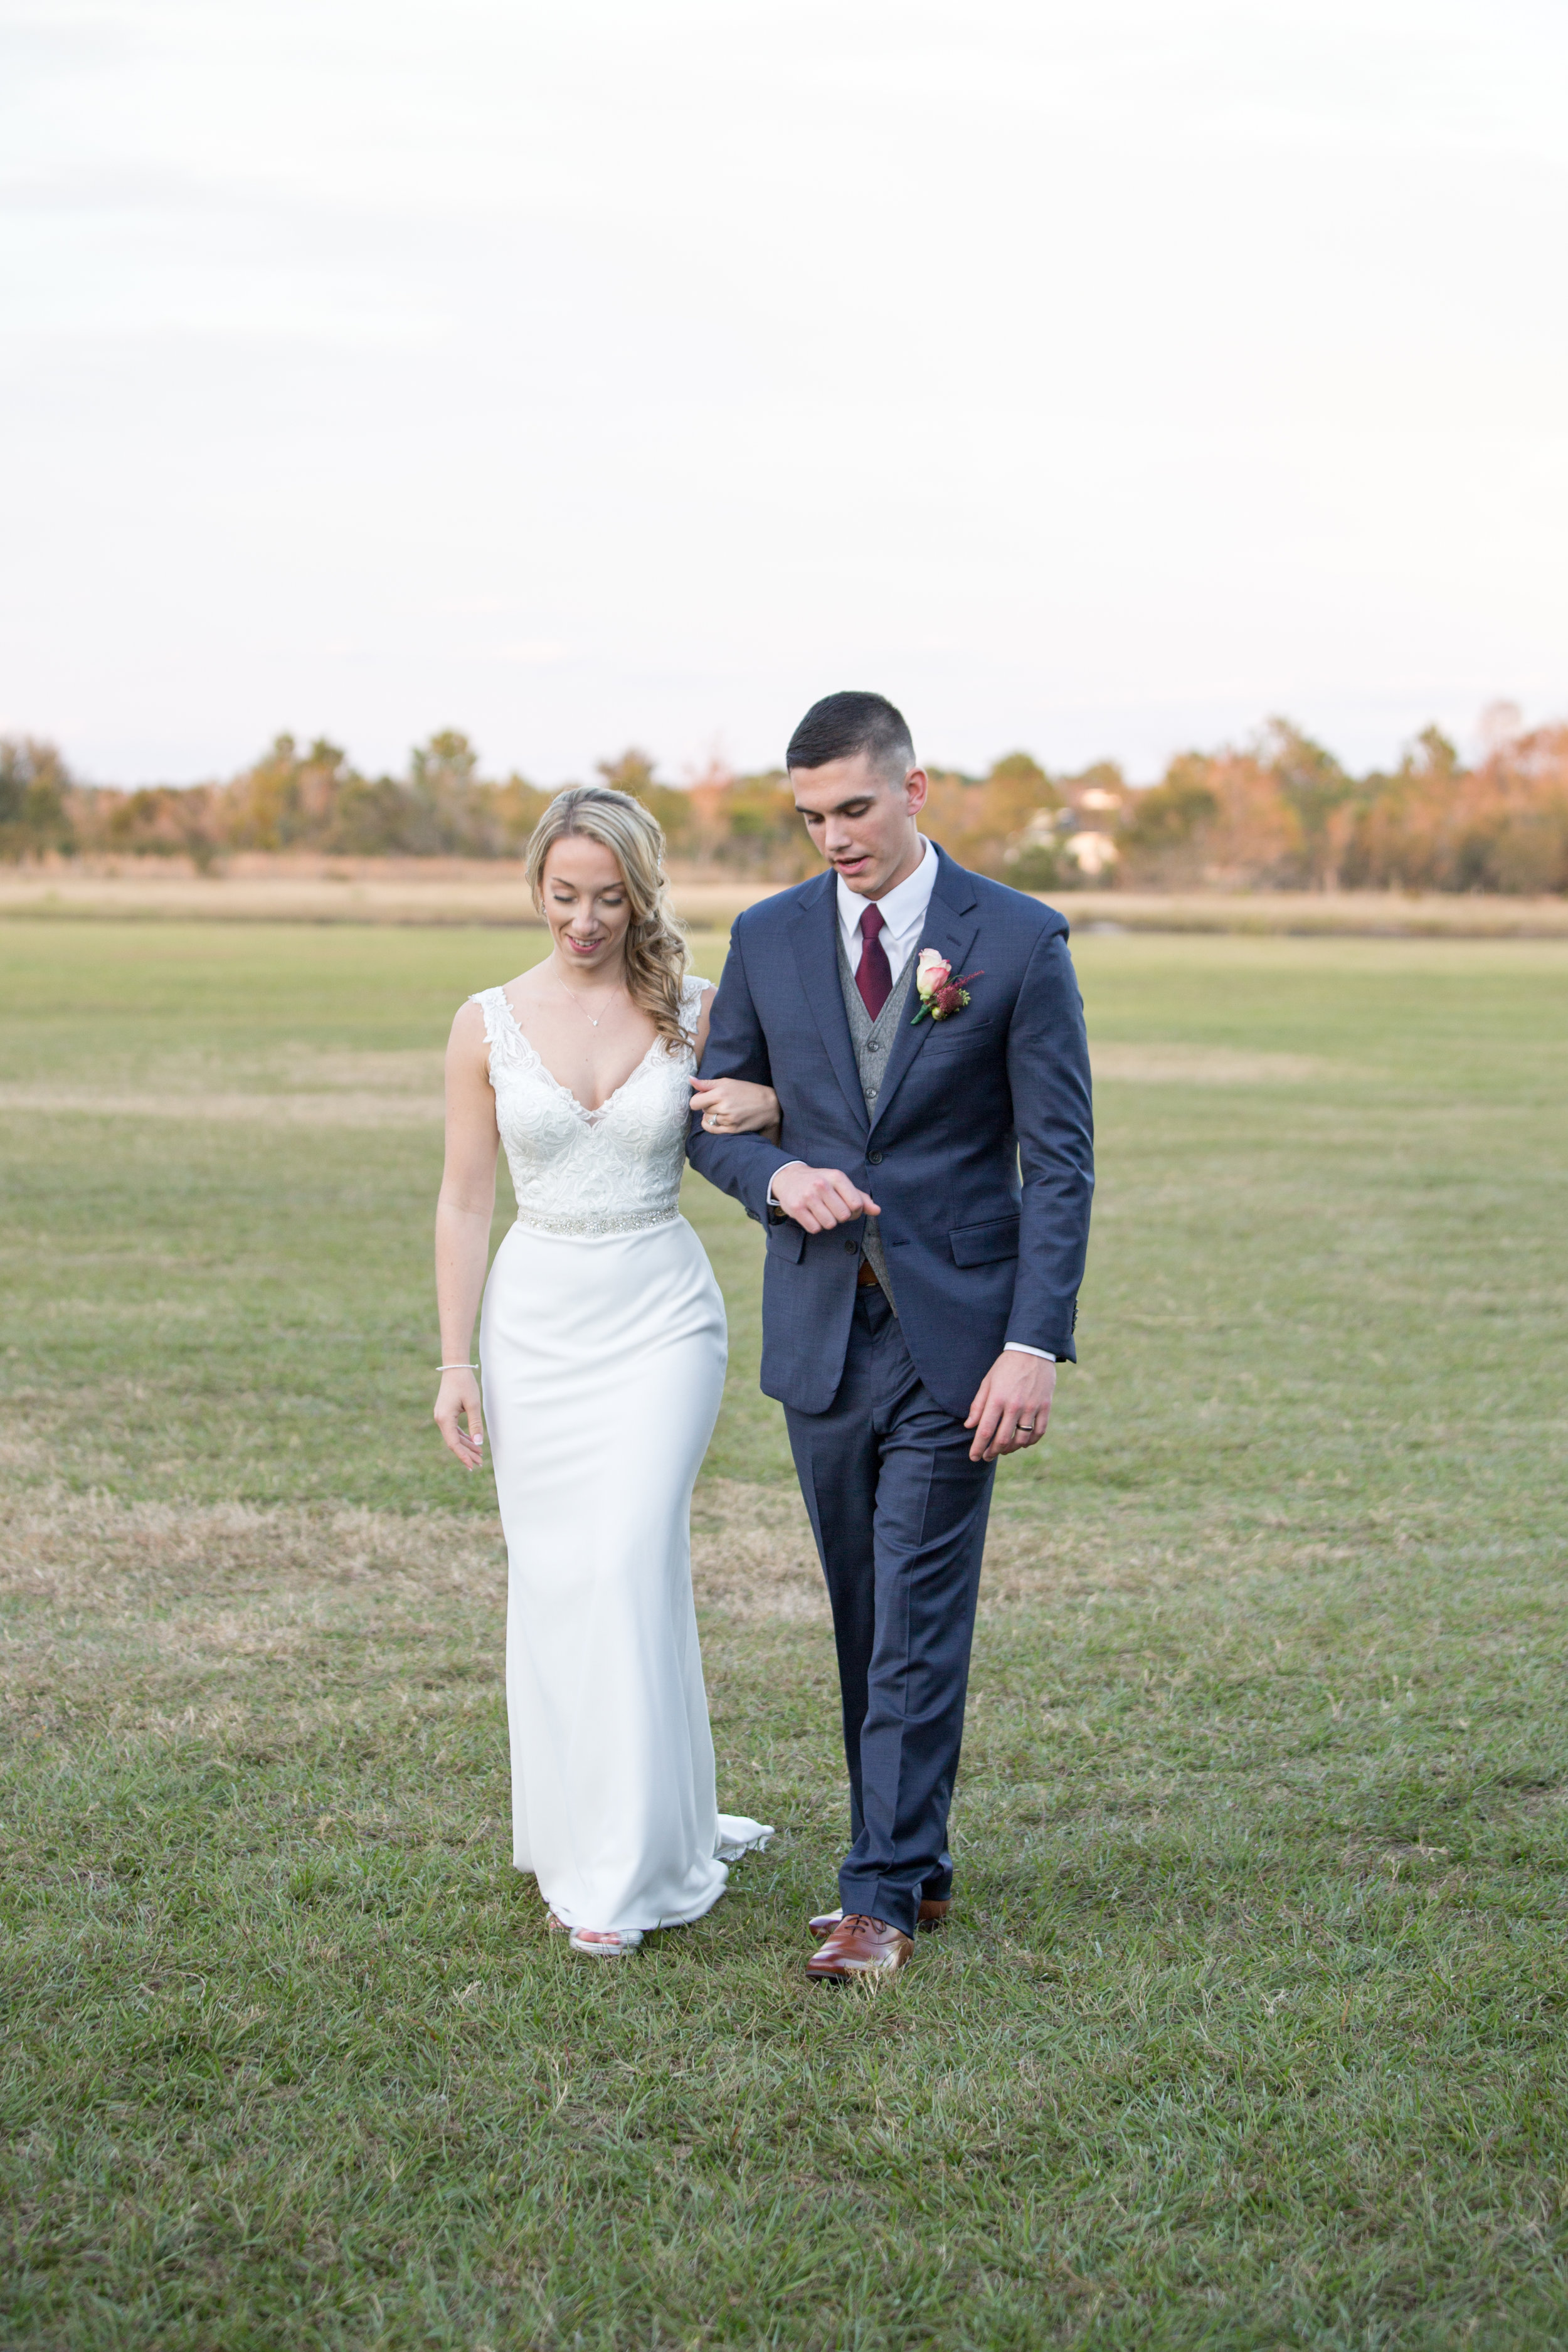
point(861, 1947)
point(931, 1914)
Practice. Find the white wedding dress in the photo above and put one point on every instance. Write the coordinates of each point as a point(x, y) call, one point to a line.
point(603, 1346)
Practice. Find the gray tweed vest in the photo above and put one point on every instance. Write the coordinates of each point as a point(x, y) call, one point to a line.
point(873, 1041)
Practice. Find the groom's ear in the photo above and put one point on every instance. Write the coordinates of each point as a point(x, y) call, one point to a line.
point(917, 786)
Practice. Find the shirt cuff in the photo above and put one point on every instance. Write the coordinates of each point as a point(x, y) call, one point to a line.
point(778, 1171)
point(1017, 1347)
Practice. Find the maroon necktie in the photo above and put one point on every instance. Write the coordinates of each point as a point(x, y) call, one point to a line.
point(874, 979)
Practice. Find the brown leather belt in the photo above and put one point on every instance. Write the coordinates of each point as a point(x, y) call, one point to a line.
point(866, 1278)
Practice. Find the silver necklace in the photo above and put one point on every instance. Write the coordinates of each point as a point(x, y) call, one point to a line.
point(582, 1008)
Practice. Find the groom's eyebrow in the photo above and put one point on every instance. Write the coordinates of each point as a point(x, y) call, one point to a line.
point(856, 802)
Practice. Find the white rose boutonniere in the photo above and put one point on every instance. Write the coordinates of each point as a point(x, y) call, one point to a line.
point(940, 994)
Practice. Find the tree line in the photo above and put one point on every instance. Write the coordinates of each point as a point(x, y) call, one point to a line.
point(1279, 812)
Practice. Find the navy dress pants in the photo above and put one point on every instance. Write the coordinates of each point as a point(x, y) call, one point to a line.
point(898, 1513)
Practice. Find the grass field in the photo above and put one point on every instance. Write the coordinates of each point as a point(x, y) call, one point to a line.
point(1249, 2028)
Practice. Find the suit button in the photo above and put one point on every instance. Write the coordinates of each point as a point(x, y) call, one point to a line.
point(873, 1159)
point(853, 1248)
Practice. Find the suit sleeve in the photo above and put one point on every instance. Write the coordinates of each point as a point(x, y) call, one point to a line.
point(1047, 1069)
point(742, 1165)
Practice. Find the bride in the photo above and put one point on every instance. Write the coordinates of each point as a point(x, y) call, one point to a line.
point(602, 1347)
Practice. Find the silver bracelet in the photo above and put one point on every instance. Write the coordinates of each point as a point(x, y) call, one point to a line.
point(456, 1368)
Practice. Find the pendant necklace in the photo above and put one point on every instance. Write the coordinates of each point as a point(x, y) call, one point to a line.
point(582, 1008)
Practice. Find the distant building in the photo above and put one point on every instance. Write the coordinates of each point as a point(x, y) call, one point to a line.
point(1092, 853)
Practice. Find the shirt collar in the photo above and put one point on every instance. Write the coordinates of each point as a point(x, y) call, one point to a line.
point(902, 908)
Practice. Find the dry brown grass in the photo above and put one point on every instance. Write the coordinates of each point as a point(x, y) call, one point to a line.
point(381, 1090)
point(752, 1556)
point(1205, 1066)
point(157, 1616)
point(165, 1611)
point(445, 891)
point(162, 1612)
point(346, 1109)
point(452, 890)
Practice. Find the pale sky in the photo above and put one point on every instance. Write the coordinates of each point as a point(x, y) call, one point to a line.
point(1097, 378)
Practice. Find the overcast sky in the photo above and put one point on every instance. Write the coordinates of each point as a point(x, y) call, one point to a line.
point(1095, 377)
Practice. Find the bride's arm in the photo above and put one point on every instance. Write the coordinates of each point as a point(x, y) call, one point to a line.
point(733, 1105)
point(463, 1211)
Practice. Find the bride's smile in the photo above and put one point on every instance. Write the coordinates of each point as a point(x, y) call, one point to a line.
point(586, 907)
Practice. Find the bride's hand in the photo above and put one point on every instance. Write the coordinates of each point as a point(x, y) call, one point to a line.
point(459, 1395)
point(736, 1107)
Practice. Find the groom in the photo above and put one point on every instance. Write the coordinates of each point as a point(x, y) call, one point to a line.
point(927, 1214)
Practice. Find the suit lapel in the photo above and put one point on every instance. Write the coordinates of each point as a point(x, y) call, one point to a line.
point(817, 954)
point(950, 927)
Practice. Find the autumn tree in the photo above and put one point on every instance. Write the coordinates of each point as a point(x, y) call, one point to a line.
point(1316, 790)
point(518, 806)
point(288, 799)
point(1215, 817)
point(1002, 823)
point(1281, 812)
point(633, 773)
point(34, 782)
point(1405, 827)
point(445, 817)
point(1169, 834)
point(162, 821)
point(1514, 834)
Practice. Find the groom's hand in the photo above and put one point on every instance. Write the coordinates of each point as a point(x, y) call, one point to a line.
point(820, 1198)
point(1011, 1405)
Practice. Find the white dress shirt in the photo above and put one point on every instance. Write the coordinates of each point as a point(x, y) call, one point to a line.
point(902, 909)
point(904, 912)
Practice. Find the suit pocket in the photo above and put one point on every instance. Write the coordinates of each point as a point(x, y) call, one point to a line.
point(947, 1036)
point(787, 1239)
point(983, 1244)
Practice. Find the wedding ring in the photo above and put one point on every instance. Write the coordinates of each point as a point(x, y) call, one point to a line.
point(1027, 1428)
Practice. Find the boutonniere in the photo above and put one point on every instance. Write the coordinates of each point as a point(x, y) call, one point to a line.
point(940, 994)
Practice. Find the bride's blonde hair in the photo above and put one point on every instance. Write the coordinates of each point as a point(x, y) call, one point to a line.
point(654, 949)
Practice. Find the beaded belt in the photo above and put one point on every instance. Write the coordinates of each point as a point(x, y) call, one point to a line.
point(631, 1221)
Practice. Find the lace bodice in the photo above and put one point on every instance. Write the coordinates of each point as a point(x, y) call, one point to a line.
point(611, 1170)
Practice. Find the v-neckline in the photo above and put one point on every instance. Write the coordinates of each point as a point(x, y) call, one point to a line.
point(594, 1116)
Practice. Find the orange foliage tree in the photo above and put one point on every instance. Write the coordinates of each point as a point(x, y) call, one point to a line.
point(1277, 812)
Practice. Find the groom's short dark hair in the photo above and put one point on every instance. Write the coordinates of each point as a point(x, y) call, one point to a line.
point(841, 725)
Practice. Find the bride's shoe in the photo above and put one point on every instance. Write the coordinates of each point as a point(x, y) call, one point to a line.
point(604, 1943)
point(598, 1943)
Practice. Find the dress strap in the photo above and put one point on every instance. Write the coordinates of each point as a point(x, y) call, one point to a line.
point(493, 1005)
point(692, 989)
point(504, 1038)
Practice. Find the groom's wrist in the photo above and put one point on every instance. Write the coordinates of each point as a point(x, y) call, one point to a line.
point(774, 1211)
point(1021, 1347)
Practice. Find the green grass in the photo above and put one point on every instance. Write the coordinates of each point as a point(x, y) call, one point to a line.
point(1249, 2030)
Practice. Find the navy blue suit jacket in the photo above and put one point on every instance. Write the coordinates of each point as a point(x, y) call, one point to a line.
point(979, 1153)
